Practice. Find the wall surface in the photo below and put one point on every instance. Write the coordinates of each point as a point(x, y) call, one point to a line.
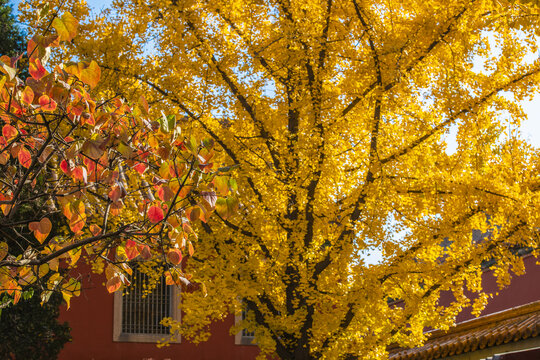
point(522, 290)
point(91, 320)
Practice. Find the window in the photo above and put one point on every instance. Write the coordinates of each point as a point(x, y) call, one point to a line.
point(243, 337)
point(137, 318)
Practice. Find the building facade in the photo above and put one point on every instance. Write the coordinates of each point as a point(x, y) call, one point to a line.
point(114, 327)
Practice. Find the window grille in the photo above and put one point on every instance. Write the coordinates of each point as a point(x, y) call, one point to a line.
point(245, 332)
point(142, 314)
point(138, 312)
point(244, 336)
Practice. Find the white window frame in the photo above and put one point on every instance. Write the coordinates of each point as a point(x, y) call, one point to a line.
point(119, 336)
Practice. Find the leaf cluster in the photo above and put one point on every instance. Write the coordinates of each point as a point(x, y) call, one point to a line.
point(104, 181)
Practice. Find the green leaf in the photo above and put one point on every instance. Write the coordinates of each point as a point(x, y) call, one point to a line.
point(233, 186)
point(167, 123)
point(228, 168)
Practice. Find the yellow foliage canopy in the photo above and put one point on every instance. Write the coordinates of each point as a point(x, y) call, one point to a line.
point(337, 114)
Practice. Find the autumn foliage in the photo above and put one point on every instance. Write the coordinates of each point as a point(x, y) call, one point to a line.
point(81, 180)
point(358, 127)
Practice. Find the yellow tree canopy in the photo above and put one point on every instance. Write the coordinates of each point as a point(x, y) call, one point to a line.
point(338, 115)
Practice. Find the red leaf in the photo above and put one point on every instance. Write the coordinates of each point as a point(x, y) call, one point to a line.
point(25, 158)
point(140, 168)
point(155, 214)
point(64, 165)
point(9, 132)
point(79, 173)
point(131, 250)
point(46, 103)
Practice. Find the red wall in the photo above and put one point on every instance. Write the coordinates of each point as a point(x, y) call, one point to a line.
point(91, 321)
point(522, 290)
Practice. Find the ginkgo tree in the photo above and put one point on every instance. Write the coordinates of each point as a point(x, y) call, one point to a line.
point(338, 115)
point(105, 181)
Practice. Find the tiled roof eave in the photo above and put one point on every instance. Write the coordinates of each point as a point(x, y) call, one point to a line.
point(515, 324)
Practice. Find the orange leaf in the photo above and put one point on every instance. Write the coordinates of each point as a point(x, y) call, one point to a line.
point(114, 284)
point(187, 228)
point(75, 212)
point(25, 158)
point(94, 148)
point(155, 214)
point(145, 252)
point(144, 104)
point(174, 256)
point(16, 296)
point(9, 132)
point(131, 250)
point(36, 69)
point(46, 103)
point(116, 193)
point(190, 248)
point(193, 213)
point(95, 230)
point(41, 229)
point(4, 157)
point(76, 224)
point(165, 193)
point(3, 250)
point(221, 184)
point(27, 95)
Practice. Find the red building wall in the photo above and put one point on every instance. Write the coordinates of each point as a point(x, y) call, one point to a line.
point(522, 290)
point(91, 321)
